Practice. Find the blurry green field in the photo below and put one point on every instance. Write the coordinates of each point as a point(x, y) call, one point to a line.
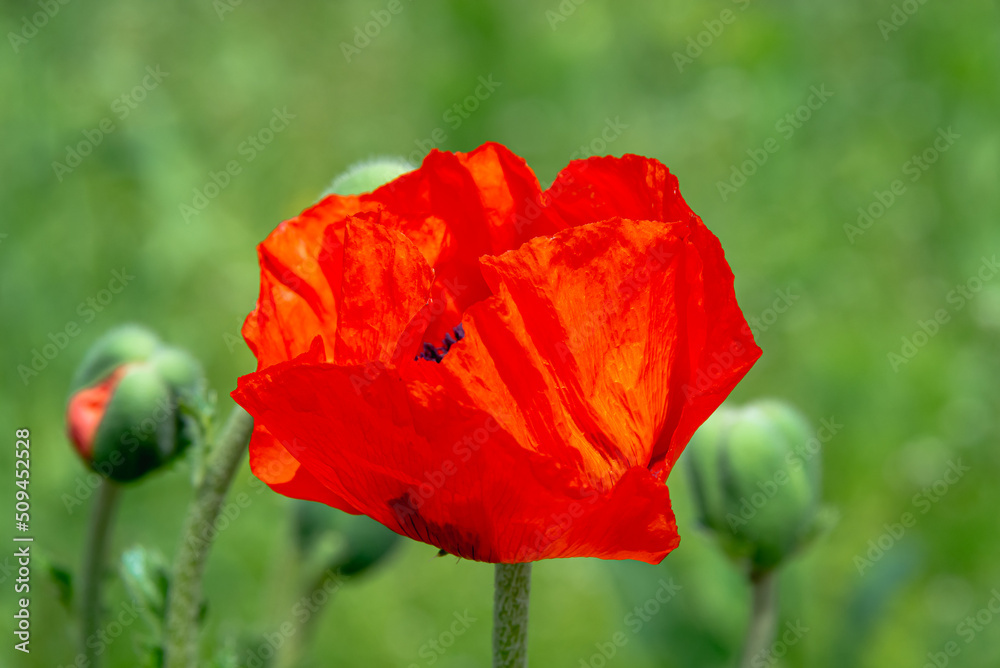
point(608, 79)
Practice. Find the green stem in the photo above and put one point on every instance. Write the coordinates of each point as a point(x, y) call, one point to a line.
point(290, 653)
point(184, 597)
point(98, 537)
point(763, 618)
point(512, 584)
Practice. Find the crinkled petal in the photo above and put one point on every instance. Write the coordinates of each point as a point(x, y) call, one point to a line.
point(458, 207)
point(631, 187)
point(446, 474)
point(384, 283)
point(641, 188)
point(299, 281)
point(454, 208)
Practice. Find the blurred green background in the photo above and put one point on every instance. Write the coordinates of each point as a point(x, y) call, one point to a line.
point(563, 74)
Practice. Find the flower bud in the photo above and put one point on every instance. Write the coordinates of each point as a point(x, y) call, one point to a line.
point(127, 343)
point(359, 541)
point(756, 484)
point(364, 177)
point(124, 413)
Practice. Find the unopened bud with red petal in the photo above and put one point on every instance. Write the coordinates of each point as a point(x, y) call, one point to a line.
point(756, 482)
point(124, 415)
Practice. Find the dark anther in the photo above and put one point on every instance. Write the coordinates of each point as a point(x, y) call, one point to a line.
point(437, 354)
point(430, 353)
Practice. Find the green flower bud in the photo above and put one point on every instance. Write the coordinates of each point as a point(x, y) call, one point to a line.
point(364, 177)
point(756, 485)
point(127, 343)
point(124, 414)
point(358, 542)
point(178, 369)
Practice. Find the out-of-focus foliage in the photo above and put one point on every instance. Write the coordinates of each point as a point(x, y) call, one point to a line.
point(206, 123)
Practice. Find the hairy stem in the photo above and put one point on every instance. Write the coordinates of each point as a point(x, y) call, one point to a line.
point(510, 615)
point(184, 598)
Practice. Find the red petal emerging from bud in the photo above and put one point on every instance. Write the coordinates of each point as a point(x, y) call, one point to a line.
point(85, 410)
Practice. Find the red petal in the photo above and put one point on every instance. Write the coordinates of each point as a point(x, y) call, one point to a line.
point(634, 520)
point(86, 410)
point(271, 462)
point(632, 187)
point(299, 278)
point(644, 189)
point(593, 337)
point(384, 283)
point(446, 474)
point(457, 207)
point(357, 289)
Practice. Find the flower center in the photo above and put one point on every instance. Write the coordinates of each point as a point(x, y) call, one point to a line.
point(437, 354)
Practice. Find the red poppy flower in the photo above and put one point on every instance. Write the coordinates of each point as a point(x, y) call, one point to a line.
point(505, 373)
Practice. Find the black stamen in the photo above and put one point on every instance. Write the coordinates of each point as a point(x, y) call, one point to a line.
point(437, 354)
